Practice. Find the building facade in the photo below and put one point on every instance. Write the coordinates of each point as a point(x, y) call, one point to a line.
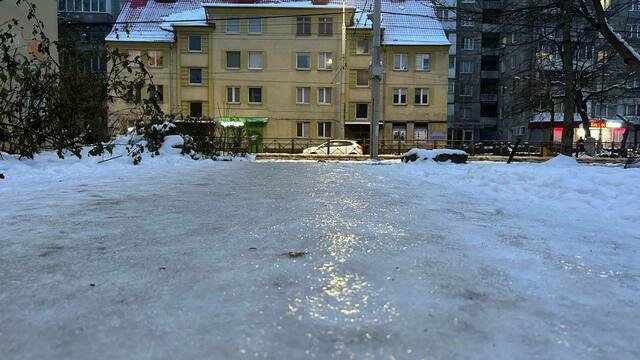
point(289, 69)
point(83, 26)
point(45, 12)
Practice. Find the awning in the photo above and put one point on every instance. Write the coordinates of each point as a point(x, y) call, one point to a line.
point(244, 120)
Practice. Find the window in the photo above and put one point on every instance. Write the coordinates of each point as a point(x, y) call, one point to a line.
point(635, 6)
point(632, 109)
point(325, 26)
point(255, 26)
point(399, 96)
point(400, 62)
point(255, 60)
point(325, 61)
point(233, 95)
point(195, 76)
point(303, 26)
point(233, 59)
point(155, 59)
point(82, 5)
point(467, 90)
point(422, 62)
point(195, 43)
point(362, 111)
point(233, 25)
point(362, 46)
point(134, 56)
point(467, 23)
point(399, 131)
point(302, 129)
point(255, 95)
point(324, 96)
point(513, 38)
point(467, 44)
point(97, 64)
point(324, 129)
point(452, 62)
point(422, 96)
point(303, 95)
point(633, 31)
point(303, 61)
point(195, 109)
point(466, 67)
point(514, 61)
point(157, 92)
point(362, 78)
point(420, 131)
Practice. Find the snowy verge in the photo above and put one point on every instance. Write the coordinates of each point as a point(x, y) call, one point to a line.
point(48, 164)
point(441, 155)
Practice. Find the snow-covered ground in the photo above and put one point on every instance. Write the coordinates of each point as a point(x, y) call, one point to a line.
point(183, 259)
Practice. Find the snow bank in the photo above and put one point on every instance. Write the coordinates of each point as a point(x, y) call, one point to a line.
point(441, 155)
point(431, 154)
point(561, 161)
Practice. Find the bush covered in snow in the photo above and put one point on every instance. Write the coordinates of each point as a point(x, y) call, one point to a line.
point(439, 155)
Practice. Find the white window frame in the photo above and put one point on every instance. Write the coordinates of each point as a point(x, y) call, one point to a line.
point(464, 92)
point(189, 49)
point(153, 56)
point(400, 62)
point(324, 94)
point(468, 69)
point(302, 129)
point(368, 47)
point(324, 21)
point(325, 61)
point(235, 94)
point(249, 95)
point(132, 55)
point(307, 55)
point(226, 60)
point(356, 111)
point(421, 92)
point(256, 21)
point(254, 53)
point(400, 93)
point(232, 21)
point(201, 76)
point(420, 59)
point(468, 43)
point(322, 125)
point(303, 95)
point(366, 72)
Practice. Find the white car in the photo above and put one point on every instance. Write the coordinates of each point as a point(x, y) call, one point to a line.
point(336, 147)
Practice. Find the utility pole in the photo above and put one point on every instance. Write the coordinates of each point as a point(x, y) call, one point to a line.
point(376, 74)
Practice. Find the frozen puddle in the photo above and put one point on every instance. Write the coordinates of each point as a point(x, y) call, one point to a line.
point(400, 261)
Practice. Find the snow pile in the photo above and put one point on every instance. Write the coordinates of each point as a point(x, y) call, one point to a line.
point(440, 155)
point(561, 161)
point(432, 154)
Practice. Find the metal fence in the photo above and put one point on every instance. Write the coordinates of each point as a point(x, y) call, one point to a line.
point(395, 147)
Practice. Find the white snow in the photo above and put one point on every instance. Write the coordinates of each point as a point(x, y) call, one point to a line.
point(479, 261)
point(431, 154)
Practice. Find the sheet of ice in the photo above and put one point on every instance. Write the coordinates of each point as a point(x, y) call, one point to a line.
point(436, 261)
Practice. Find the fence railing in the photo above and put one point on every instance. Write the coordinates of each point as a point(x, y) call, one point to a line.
point(396, 147)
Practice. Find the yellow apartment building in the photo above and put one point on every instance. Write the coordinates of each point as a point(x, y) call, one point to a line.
point(289, 69)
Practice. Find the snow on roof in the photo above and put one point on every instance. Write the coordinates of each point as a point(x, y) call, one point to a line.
point(405, 22)
point(146, 20)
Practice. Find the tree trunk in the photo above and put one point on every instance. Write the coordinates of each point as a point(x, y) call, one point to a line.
point(566, 147)
point(584, 115)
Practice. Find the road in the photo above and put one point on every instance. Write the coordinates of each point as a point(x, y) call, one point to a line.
point(313, 260)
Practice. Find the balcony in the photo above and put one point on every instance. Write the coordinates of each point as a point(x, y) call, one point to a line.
point(489, 74)
point(488, 97)
point(489, 121)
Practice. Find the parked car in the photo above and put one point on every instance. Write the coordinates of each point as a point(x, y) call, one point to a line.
point(336, 147)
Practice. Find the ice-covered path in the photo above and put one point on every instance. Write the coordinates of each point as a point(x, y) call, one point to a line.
point(403, 261)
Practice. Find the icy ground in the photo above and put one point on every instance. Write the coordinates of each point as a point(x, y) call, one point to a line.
point(188, 260)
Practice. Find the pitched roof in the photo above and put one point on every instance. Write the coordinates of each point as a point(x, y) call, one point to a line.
point(405, 22)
